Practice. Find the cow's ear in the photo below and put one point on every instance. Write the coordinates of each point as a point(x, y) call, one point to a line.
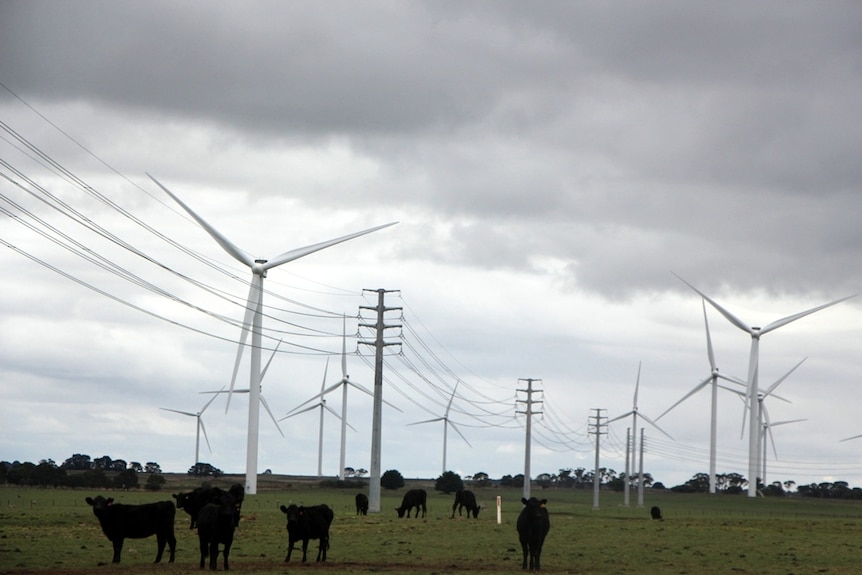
point(90, 501)
point(110, 501)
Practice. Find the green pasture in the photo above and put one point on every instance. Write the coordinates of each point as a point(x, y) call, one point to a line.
point(45, 531)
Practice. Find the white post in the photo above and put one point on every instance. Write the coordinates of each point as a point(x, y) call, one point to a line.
point(499, 510)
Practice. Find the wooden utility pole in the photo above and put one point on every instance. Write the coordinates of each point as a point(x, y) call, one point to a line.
point(377, 418)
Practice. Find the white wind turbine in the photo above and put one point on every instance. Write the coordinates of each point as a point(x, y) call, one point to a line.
point(712, 378)
point(262, 398)
point(446, 423)
point(344, 383)
point(630, 447)
point(763, 424)
point(323, 407)
point(253, 321)
point(753, 360)
point(199, 426)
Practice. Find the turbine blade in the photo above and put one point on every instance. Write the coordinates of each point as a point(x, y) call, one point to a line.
point(215, 395)
point(637, 385)
point(729, 316)
point(363, 390)
point(782, 378)
point(251, 305)
point(709, 352)
point(297, 253)
point(271, 416)
point(204, 430)
point(316, 396)
point(180, 412)
point(784, 321)
point(427, 421)
point(654, 424)
point(309, 408)
point(266, 367)
point(449, 405)
point(225, 243)
point(458, 431)
point(333, 412)
point(626, 414)
point(325, 371)
point(849, 438)
point(694, 390)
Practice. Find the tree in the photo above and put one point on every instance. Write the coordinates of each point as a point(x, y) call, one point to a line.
point(449, 482)
point(544, 480)
point(78, 462)
point(481, 479)
point(155, 482)
point(126, 479)
point(391, 479)
point(152, 467)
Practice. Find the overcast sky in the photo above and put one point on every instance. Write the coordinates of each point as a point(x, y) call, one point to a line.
point(551, 165)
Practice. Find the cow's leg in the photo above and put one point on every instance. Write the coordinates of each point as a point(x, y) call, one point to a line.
point(525, 551)
point(204, 548)
point(304, 550)
point(213, 554)
point(160, 546)
point(118, 547)
point(423, 511)
point(290, 543)
point(172, 545)
point(226, 553)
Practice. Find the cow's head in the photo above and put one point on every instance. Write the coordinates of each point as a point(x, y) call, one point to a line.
point(99, 504)
point(293, 513)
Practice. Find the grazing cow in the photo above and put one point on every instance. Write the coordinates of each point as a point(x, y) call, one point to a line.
point(361, 504)
point(533, 526)
point(413, 498)
point(305, 523)
point(655, 512)
point(465, 498)
point(121, 521)
point(194, 501)
point(216, 522)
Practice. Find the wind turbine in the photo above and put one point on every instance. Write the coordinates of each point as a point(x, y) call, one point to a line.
point(630, 445)
point(767, 429)
point(446, 423)
point(322, 405)
point(762, 420)
point(262, 398)
point(199, 427)
point(253, 321)
point(753, 361)
point(713, 377)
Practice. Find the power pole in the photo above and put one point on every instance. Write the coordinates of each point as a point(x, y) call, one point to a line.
point(641, 471)
point(629, 465)
point(597, 428)
point(377, 418)
point(528, 411)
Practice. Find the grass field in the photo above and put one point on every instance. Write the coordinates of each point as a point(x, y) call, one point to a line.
point(54, 532)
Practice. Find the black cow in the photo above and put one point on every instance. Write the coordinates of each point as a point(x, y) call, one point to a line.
point(413, 498)
point(655, 512)
point(465, 498)
point(361, 504)
point(121, 521)
point(194, 501)
point(533, 526)
point(216, 522)
point(305, 523)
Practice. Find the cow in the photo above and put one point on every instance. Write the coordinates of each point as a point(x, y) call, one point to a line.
point(413, 498)
point(120, 521)
point(361, 504)
point(305, 523)
point(465, 498)
point(193, 501)
point(655, 512)
point(533, 525)
point(217, 520)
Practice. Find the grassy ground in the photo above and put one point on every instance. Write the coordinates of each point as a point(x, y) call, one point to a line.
point(55, 532)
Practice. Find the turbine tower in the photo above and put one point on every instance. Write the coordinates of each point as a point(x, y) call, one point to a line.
point(712, 378)
point(446, 423)
point(753, 361)
point(253, 321)
point(199, 426)
point(630, 447)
